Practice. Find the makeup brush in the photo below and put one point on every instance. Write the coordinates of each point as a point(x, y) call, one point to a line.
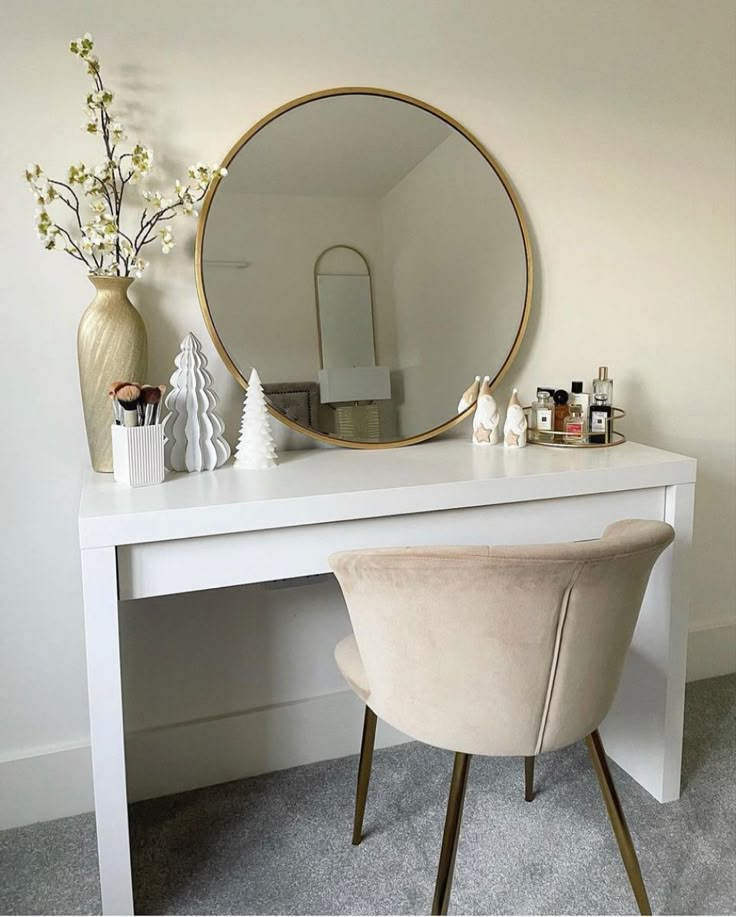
point(117, 411)
point(150, 397)
point(127, 396)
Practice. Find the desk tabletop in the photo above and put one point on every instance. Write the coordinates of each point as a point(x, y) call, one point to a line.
point(314, 486)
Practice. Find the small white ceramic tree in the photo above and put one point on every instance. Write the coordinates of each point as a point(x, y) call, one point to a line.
point(193, 427)
point(255, 449)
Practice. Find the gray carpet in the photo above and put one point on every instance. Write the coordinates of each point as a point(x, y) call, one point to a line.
point(280, 843)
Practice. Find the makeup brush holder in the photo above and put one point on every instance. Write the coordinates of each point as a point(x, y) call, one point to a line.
point(138, 454)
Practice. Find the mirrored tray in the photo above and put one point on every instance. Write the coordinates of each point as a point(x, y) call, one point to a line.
point(558, 438)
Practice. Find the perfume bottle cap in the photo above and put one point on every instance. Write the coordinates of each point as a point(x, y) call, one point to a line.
point(541, 388)
point(577, 388)
point(560, 396)
point(576, 409)
point(603, 373)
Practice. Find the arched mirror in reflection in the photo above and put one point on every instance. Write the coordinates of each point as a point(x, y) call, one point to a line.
point(350, 382)
point(405, 232)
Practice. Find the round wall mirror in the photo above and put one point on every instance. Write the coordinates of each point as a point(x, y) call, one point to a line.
point(368, 256)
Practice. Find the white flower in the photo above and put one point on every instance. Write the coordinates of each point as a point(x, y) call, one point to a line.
point(141, 161)
point(222, 171)
point(167, 239)
point(139, 265)
point(98, 205)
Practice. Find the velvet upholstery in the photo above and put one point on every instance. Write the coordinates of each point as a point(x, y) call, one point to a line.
point(495, 650)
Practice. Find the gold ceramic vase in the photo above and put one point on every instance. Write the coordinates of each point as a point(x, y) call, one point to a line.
point(112, 346)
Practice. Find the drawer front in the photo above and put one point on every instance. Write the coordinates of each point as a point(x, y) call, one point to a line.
point(188, 565)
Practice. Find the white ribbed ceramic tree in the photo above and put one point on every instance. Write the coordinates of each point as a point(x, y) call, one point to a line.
point(255, 449)
point(194, 430)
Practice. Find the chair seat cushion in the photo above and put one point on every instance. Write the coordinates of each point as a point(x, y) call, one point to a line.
point(350, 665)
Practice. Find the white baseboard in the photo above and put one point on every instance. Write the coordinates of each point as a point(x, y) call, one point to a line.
point(214, 750)
point(183, 756)
point(56, 782)
point(45, 784)
point(711, 651)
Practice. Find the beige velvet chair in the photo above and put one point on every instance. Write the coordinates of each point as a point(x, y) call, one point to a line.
point(496, 651)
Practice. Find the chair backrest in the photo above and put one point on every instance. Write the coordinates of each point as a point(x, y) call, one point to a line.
point(500, 650)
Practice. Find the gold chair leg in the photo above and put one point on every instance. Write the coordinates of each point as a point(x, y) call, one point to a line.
point(529, 778)
point(364, 772)
point(443, 886)
point(618, 822)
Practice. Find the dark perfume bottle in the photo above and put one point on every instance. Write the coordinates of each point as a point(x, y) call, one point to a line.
point(560, 398)
point(600, 419)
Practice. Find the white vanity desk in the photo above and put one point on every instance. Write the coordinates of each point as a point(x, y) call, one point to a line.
point(231, 526)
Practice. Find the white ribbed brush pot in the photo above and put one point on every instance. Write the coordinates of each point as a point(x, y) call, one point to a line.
point(138, 455)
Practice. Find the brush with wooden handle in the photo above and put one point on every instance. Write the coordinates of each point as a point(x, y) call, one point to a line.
point(128, 397)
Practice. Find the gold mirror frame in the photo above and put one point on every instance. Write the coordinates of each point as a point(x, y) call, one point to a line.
point(199, 265)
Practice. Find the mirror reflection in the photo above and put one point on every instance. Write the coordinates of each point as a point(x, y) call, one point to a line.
point(366, 257)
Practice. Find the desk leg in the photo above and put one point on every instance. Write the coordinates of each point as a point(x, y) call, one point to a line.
point(643, 731)
point(100, 588)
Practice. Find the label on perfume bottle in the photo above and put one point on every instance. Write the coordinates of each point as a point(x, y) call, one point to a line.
point(598, 421)
point(544, 419)
point(574, 428)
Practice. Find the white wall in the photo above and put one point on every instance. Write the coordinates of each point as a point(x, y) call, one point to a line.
point(454, 255)
point(268, 311)
point(615, 121)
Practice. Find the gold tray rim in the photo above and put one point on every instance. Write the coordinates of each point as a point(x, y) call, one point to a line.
point(616, 438)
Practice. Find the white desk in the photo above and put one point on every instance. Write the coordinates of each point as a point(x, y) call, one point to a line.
point(231, 526)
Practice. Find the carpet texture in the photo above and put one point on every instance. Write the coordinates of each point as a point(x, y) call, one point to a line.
point(280, 843)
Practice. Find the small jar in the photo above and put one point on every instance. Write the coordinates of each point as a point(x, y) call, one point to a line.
point(543, 416)
point(574, 426)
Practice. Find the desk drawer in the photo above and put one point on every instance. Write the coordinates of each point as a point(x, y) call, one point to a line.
point(192, 564)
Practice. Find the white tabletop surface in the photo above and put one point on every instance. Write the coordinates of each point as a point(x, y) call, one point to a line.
point(322, 485)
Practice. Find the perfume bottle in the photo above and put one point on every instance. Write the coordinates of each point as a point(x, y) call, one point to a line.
point(560, 398)
point(578, 396)
point(603, 386)
point(575, 426)
point(543, 416)
point(600, 416)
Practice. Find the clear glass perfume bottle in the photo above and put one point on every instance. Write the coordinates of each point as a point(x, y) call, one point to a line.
point(600, 417)
point(575, 426)
point(543, 416)
point(603, 386)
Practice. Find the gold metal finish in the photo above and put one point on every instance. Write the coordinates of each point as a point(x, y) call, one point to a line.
point(364, 772)
point(199, 259)
point(529, 778)
point(557, 437)
point(618, 822)
point(112, 346)
point(443, 886)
